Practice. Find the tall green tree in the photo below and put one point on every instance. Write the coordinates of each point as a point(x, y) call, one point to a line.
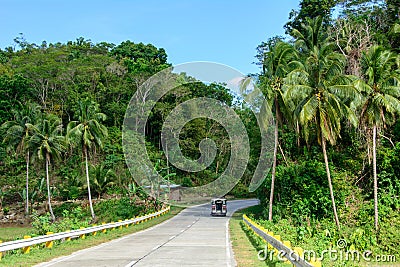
point(381, 89)
point(89, 132)
point(16, 134)
point(309, 9)
point(321, 90)
point(47, 143)
point(278, 60)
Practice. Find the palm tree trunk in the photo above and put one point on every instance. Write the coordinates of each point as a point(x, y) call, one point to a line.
point(27, 185)
point(271, 196)
point(375, 178)
point(328, 173)
point(88, 183)
point(53, 218)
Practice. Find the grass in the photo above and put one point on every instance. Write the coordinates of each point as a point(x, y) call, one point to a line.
point(39, 254)
point(13, 233)
point(245, 253)
point(246, 246)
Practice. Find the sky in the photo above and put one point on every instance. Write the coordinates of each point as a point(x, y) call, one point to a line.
point(221, 31)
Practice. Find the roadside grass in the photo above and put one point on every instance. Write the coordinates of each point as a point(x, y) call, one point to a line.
point(40, 254)
point(246, 246)
point(244, 252)
point(13, 233)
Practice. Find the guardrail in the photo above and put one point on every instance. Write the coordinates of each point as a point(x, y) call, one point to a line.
point(48, 239)
point(281, 248)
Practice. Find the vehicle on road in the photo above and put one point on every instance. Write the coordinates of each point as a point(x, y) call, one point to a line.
point(218, 207)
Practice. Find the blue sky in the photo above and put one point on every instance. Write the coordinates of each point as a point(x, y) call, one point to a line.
point(226, 32)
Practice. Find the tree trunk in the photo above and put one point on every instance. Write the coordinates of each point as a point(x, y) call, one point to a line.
point(271, 196)
point(53, 218)
point(27, 185)
point(88, 183)
point(328, 173)
point(375, 178)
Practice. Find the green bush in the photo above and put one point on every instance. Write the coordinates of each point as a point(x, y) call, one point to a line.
point(301, 191)
point(71, 220)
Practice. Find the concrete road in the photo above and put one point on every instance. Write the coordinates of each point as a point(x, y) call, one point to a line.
point(191, 238)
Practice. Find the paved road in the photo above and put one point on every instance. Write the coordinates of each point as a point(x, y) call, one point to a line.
point(191, 238)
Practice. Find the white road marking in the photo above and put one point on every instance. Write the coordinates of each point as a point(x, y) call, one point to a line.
point(74, 254)
point(130, 264)
point(156, 247)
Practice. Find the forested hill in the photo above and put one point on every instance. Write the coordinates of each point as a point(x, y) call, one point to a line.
point(56, 76)
point(54, 80)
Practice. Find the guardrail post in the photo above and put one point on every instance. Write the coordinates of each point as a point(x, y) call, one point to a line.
point(299, 251)
point(104, 230)
point(120, 227)
point(82, 236)
point(28, 248)
point(277, 237)
point(49, 244)
point(269, 246)
point(95, 232)
point(126, 225)
point(315, 262)
point(1, 253)
point(68, 238)
point(288, 245)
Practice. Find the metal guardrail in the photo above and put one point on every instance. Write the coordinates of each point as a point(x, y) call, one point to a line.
point(49, 238)
point(293, 255)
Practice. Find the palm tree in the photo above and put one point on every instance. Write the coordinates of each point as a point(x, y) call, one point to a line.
point(381, 89)
point(16, 135)
point(321, 89)
point(277, 63)
point(88, 132)
point(47, 143)
point(102, 178)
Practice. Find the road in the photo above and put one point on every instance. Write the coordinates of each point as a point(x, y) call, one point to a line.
point(191, 238)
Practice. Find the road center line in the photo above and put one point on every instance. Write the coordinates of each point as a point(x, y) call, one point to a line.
point(163, 244)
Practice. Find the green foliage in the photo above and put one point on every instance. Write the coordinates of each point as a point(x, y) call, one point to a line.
point(389, 182)
point(119, 209)
point(14, 89)
point(6, 210)
point(309, 9)
point(301, 191)
point(127, 209)
point(101, 179)
point(320, 235)
point(71, 220)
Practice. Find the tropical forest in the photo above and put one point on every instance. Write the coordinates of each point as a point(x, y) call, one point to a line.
point(332, 84)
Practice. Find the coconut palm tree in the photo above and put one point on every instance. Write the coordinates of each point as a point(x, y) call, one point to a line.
point(47, 143)
point(89, 133)
point(16, 133)
point(320, 91)
point(279, 59)
point(381, 90)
